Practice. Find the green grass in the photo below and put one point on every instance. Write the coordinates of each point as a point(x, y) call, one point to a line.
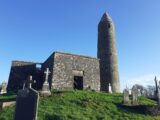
point(84, 105)
point(8, 97)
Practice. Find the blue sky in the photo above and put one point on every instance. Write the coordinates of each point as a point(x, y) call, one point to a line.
point(32, 29)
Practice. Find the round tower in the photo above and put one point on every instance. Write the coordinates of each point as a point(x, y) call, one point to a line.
point(107, 54)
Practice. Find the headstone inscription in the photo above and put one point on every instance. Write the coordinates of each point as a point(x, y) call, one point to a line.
point(27, 103)
point(126, 96)
point(135, 100)
point(45, 88)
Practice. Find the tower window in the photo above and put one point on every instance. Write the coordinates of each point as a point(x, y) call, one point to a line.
point(109, 25)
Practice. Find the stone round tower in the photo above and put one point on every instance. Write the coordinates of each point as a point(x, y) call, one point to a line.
point(107, 54)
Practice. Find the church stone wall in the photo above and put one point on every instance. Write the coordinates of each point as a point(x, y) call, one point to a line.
point(66, 66)
point(63, 67)
point(49, 64)
point(20, 70)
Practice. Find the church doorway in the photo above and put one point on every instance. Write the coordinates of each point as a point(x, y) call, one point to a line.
point(78, 82)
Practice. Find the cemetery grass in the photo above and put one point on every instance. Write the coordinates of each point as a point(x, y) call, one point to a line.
point(8, 97)
point(85, 105)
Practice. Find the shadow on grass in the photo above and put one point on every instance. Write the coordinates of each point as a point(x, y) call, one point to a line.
point(141, 109)
point(61, 92)
point(55, 117)
point(52, 117)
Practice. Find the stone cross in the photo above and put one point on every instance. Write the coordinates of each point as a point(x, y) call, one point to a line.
point(110, 88)
point(47, 72)
point(30, 81)
point(45, 88)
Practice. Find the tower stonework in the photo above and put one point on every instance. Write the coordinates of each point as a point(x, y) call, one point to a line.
point(107, 54)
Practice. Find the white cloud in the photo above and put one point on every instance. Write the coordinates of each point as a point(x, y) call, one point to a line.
point(144, 80)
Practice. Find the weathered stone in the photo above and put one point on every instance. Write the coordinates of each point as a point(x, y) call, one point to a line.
point(26, 105)
point(65, 68)
point(20, 70)
point(70, 71)
point(30, 81)
point(107, 53)
point(3, 88)
point(7, 104)
point(110, 88)
point(135, 92)
point(45, 89)
point(126, 96)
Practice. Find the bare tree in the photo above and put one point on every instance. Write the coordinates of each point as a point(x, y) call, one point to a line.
point(151, 91)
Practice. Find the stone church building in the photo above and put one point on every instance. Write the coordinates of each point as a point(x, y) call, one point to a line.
point(71, 71)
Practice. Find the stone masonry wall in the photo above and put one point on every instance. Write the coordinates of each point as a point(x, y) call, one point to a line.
point(20, 70)
point(48, 64)
point(66, 66)
point(63, 68)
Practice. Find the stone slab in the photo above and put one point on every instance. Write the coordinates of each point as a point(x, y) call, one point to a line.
point(26, 105)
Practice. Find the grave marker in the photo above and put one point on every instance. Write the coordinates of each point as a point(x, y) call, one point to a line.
point(110, 88)
point(45, 88)
point(26, 104)
point(126, 96)
point(135, 96)
point(3, 88)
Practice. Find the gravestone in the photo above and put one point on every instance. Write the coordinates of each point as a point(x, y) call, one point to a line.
point(135, 100)
point(28, 83)
point(27, 103)
point(45, 88)
point(3, 89)
point(110, 88)
point(126, 96)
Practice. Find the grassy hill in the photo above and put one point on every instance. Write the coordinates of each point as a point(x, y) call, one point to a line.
point(85, 105)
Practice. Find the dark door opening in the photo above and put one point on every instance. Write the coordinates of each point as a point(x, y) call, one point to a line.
point(78, 82)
